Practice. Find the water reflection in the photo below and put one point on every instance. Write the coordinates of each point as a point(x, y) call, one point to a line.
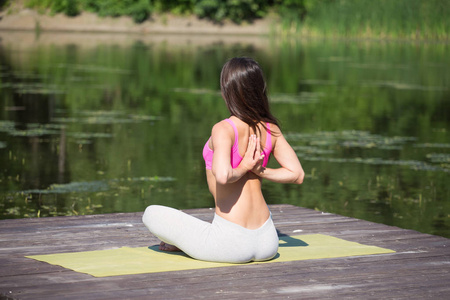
point(113, 124)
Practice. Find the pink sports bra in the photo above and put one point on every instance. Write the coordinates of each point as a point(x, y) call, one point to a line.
point(236, 158)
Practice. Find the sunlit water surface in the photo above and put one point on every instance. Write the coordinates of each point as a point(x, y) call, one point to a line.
point(95, 124)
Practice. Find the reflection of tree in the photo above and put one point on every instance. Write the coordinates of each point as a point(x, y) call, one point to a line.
point(35, 158)
point(48, 162)
point(36, 108)
point(62, 157)
point(353, 91)
point(442, 113)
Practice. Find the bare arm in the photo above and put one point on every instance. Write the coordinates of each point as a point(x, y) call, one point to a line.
point(222, 140)
point(291, 170)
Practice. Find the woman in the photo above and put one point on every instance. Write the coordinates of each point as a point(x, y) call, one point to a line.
point(236, 156)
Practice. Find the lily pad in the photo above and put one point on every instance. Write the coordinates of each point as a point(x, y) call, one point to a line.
point(403, 86)
point(34, 132)
point(311, 150)
point(432, 145)
point(351, 139)
point(94, 68)
point(106, 117)
point(439, 157)
point(93, 186)
point(412, 164)
point(88, 135)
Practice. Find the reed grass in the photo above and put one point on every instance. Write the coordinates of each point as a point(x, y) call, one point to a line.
point(383, 19)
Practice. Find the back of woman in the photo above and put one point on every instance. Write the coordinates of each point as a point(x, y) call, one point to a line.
point(236, 157)
point(242, 202)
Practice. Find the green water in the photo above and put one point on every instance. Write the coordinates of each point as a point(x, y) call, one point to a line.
point(115, 125)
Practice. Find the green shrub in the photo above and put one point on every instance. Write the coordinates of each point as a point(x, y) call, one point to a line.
point(68, 7)
point(4, 3)
point(235, 10)
point(293, 9)
point(174, 6)
point(139, 10)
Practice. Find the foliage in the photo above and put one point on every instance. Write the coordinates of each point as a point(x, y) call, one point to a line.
point(139, 10)
point(234, 10)
point(360, 18)
point(175, 6)
point(216, 10)
point(292, 9)
point(4, 3)
point(68, 7)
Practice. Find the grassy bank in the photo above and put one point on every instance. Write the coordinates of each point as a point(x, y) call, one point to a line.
point(391, 19)
point(379, 19)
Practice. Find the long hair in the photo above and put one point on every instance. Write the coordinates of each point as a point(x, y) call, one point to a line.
point(244, 90)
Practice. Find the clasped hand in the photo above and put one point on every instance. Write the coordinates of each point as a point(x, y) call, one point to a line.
point(253, 158)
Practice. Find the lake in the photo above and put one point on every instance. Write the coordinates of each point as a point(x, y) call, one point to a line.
point(93, 124)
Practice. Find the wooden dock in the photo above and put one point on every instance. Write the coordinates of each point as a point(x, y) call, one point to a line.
point(420, 268)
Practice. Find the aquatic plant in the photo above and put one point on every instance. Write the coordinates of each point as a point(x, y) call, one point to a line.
point(360, 139)
point(432, 145)
point(412, 164)
point(439, 157)
point(351, 138)
point(91, 186)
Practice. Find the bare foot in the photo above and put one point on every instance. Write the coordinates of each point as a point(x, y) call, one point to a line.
point(168, 247)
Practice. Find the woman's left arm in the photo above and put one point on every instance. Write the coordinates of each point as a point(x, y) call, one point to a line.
point(290, 170)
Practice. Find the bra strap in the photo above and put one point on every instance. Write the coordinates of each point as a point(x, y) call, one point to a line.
point(268, 138)
point(236, 138)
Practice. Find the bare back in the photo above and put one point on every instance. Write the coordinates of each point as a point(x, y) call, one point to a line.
point(240, 202)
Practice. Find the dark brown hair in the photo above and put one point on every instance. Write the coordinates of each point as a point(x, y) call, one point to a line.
point(244, 90)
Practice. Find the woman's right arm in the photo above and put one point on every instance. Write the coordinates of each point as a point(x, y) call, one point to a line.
point(290, 170)
point(222, 137)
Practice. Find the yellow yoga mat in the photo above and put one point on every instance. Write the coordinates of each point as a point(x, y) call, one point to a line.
point(125, 260)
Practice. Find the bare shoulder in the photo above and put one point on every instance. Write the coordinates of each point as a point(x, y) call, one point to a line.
point(276, 133)
point(221, 128)
point(275, 129)
point(221, 133)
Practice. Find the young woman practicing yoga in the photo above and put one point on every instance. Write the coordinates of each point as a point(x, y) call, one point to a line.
point(236, 156)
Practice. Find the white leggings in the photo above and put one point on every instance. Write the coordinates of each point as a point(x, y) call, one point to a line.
point(221, 241)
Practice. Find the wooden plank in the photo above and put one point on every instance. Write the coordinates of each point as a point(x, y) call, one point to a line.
point(420, 267)
point(237, 282)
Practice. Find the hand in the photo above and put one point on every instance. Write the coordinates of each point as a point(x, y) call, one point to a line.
point(253, 158)
point(258, 169)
